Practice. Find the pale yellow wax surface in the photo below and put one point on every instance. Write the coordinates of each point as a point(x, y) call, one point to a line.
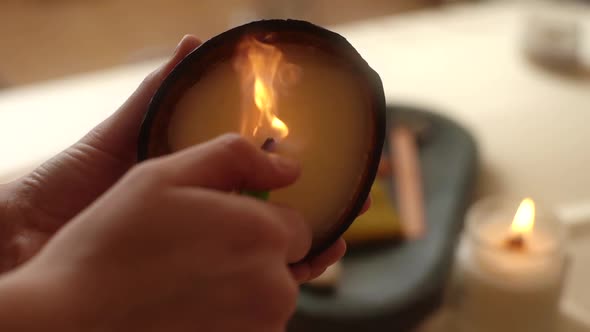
point(329, 130)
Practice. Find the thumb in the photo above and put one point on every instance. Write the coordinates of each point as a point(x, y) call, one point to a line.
point(117, 135)
point(229, 162)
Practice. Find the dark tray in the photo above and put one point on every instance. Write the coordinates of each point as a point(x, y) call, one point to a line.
point(394, 287)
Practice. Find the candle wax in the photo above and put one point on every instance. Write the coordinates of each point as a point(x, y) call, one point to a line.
point(330, 130)
point(530, 266)
point(508, 289)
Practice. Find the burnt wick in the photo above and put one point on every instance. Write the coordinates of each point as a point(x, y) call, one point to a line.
point(269, 144)
point(515, 242)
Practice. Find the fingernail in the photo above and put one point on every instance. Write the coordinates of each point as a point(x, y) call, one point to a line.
point(283, 164)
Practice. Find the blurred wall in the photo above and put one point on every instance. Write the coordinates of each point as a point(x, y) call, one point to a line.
point(45, 39)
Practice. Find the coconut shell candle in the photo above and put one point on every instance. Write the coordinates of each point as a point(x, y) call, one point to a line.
point(294, 89)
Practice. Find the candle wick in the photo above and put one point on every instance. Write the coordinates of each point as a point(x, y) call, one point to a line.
point(515, 242)
point(269, 144)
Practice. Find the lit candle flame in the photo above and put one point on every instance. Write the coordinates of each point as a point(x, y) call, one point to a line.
point(280, 126)
point(524, 219)
point(259, 72)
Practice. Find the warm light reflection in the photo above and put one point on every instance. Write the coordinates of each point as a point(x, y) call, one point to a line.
point(259, 70)
point(524, 219)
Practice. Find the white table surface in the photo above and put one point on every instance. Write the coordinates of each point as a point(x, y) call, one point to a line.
point(465, 61)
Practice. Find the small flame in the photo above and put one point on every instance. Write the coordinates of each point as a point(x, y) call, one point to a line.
point(262, 97)
point(259, 69)
point(280, 126)
point(524, 219)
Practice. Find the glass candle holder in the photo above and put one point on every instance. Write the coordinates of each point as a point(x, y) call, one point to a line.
point(509, 268)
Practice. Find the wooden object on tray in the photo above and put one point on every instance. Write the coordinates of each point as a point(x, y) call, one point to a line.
point(403, 146)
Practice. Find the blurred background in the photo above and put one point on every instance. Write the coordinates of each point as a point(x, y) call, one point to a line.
point(414, 44)
point(46, 39)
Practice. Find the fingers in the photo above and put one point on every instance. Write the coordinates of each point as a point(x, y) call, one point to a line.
point(227, 163)
point(299, 235)
point(117, 135)
point(242, 219)
point(142, 96)
point(301, 272)
point(366, 206)
point(333, 254)
point(305, 271)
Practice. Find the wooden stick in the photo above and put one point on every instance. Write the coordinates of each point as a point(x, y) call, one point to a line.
point(405, 163)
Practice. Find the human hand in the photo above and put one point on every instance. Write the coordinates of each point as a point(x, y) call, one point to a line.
point(39, 204)
point(170, 248)
point(314, 267)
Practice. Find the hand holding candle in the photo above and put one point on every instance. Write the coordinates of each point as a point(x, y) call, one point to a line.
point(298, 84)
point(173, 223)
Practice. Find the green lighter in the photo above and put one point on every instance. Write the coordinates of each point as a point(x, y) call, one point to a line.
point(268, 146)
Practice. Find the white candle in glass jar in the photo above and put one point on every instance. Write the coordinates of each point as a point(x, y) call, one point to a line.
point(509, 268)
